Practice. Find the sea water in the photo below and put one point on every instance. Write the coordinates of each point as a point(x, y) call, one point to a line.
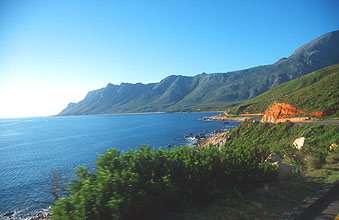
point(32, 149)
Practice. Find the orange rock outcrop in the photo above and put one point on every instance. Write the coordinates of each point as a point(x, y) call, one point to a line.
point(317, 114)
point(279, 112)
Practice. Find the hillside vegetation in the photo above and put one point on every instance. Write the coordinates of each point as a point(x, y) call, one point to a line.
point(206, 92)
point(149, 184)
point(317, 91)
point(279, 138)
point(317, 166)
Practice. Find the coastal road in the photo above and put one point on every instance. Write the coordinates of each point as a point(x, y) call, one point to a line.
point(320, 122)
point(328, 210)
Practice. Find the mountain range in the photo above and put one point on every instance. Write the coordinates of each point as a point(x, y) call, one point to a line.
point(208, 92)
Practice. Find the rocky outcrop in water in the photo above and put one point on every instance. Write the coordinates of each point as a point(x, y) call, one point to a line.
point(217, 139)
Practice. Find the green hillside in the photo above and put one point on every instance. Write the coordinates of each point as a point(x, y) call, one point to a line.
point(205, 182)
point(317, 91)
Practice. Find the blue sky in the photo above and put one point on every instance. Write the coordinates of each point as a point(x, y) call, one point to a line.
point(53, 52)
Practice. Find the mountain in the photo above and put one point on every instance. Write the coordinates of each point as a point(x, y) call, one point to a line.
point(209, 91)
point(314, 92)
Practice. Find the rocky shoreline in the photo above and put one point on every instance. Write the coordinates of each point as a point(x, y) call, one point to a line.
point(227, 118)
point(44, 214)
point(217, 139)
point(41, 216)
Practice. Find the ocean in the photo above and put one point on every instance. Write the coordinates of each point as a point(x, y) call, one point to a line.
point(32, 149)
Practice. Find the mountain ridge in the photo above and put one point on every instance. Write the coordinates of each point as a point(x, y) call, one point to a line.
point(214, 91)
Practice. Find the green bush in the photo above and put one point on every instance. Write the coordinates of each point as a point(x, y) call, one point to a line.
point(148, 183)
point(333, 158)
point(315, 161)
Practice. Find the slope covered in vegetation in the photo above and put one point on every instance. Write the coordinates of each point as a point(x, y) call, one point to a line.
point(317, 91)
point(279, 138)
point(148, 184)
point(317, 163)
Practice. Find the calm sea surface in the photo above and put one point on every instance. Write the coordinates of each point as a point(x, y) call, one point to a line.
point(31, 149)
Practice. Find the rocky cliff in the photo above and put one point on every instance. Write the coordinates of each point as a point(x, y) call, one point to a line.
point(280, 112)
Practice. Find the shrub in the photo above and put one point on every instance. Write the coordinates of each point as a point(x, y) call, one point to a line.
point(313, 162)
point(332, 158)
point(316, 160)
point(148, 183)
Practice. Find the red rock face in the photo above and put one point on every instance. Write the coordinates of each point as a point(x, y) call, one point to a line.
point(279, 111)
point(317, 114)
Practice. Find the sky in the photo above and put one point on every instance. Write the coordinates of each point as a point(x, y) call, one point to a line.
point(54, 52)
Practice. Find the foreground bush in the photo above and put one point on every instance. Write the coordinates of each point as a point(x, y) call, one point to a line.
point(148, 183)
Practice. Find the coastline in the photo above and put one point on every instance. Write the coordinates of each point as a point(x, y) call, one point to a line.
point(232, 118)
point(226, 118)
point(197, 127)
point(136, 113)
point(44, 214)
point(218, 138)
